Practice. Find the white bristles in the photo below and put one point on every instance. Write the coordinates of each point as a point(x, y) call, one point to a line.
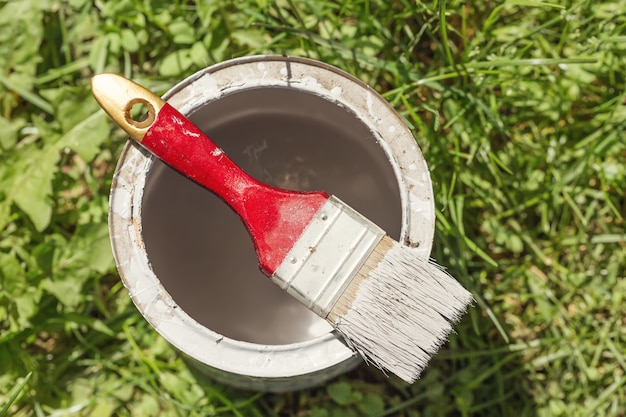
point(401, 312)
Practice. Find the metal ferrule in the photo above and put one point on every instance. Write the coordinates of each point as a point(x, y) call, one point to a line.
point(326, 257)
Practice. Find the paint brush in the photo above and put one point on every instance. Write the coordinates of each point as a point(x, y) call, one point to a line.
point(392, 306)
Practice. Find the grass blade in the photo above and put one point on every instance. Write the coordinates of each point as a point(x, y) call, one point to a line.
point(15, 392)
point(27, 95)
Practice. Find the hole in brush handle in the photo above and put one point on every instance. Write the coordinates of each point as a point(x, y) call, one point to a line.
point(141, 119)
point(120, 97)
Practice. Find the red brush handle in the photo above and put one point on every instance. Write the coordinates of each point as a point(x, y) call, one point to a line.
point(275, 218)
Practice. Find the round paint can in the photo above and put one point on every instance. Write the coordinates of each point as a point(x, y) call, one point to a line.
point(186, 259)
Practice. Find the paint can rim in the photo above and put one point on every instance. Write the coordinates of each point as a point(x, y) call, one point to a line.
point(282, 363)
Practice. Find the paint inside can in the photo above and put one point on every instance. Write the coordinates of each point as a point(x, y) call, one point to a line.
point(199, 248)
point(187, 260)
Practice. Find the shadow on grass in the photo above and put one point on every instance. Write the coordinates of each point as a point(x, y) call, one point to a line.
point(476, 374)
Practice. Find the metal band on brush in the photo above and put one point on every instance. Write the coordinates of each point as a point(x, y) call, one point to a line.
point(328, 254)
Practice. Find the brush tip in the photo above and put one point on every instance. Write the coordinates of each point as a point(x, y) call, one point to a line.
point(401, 312)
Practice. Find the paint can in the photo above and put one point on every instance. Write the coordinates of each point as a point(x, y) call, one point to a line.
point(188, 263)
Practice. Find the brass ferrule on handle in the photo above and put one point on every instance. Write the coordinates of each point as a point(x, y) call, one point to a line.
point(118, 95)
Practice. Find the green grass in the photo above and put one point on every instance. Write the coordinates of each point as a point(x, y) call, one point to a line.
point(519, 107)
